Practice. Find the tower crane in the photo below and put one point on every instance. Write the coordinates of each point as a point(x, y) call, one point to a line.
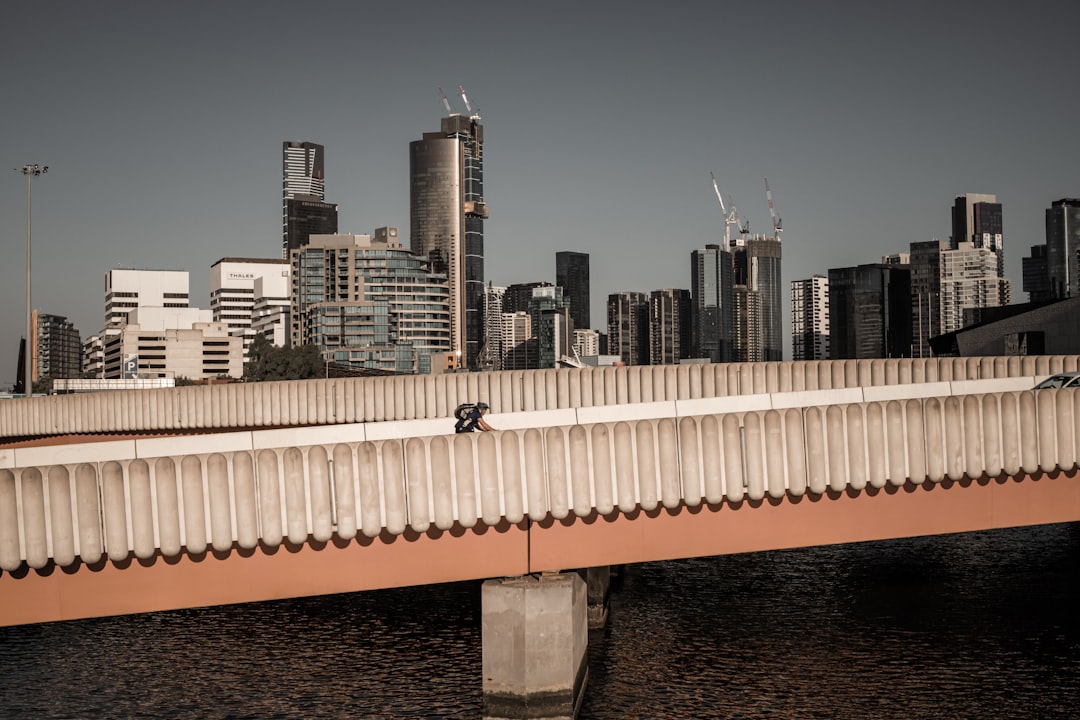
point(777, 223)
point(465, 99)
point(730, 217)
point(445, 102)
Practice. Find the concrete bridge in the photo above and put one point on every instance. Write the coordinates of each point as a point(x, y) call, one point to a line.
point(147, 500)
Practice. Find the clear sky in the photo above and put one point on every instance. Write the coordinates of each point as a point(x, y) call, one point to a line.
point(162, 126)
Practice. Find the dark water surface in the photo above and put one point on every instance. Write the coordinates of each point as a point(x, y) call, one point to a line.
point(981, 625)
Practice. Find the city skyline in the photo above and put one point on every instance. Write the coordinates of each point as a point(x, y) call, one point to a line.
point(162, 158)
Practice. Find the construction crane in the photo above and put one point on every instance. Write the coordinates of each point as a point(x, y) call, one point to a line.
point(730, 217)
point(465, 99)
point(777, 223)
point(445, 102)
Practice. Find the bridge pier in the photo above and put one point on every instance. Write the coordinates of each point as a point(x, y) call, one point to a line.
point(598, 587)
point(535, 634)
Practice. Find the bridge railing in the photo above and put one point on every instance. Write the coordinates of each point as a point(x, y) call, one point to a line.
point(192, 494)
point(354, 400)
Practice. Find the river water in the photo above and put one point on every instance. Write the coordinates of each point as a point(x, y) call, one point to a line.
point(975, 626)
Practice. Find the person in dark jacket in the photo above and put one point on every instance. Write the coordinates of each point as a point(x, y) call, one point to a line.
point(474, 419)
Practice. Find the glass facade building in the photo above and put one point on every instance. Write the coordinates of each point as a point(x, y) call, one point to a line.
point(447, 213)
point(304, 209)
point(572, 275)
point(712, 314)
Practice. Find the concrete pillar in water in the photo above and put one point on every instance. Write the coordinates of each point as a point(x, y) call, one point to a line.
point(598, 585)
point(535, 634)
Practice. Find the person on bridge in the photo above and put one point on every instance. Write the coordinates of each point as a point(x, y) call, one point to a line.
point(474, 419)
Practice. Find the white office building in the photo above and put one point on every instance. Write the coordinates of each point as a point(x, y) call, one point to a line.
point(126, 290)
point(251, 296)
point(154, 342)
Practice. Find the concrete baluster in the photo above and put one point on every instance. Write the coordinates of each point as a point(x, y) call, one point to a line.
point(296, 511)
point(904, 371)
point(844, 373)
point(824, 375)
point(638, 375)
point(757, 377)
point(10, 545)
point(877, 474)
point(817, 472)
point(88, 512)
point(622, 378)
point(574, 382)
point(1057, 363)
point(974, 466)
point(490, 492)
point(896, 443)
point(772, 376)
point(290, 402)
point(610, 378)
point(115, 512)
point(535, 480)
point(992, 453)
point(671, 381)
point(775, 464)
point(558, 480)
point(753, 460)
point(393, 486)
point(142, 510)
point(191, 478)
point(682, 382)
point(1063, 421)
point(367, 470)
point(693, 379)
point(1046, 408)
point(838, 472)
point(625, 480)
point(784, 374)
point(690, 462)
point(1076, 428)
point(510, 467)
point(345, 492)
point(877, 373)
point(916, 441)
point(918, 370)
point(320, 491)
point(221, 520)
point(416, 474)
point(954, 439)
point(667, 442)
point(734, 387)
point(648, 479)
point(464, 466)
point(795, 451)
point(61, 525)
point(1027, 424)
point(856, 447)
point(35, 529)
point(442, 483)
point(599, 385)
point(602, 480)
point(864, 373)
point(168, 508)
point(246, 499)
point(528, 391)
point(712, 459)
point(1042, 365)
point(562, 388)
point(269, 498)
point(551, 389)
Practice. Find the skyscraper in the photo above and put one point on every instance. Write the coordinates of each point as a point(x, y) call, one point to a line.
point(810, 318)
point(303, 207)
point(669, 326)
point(712, 314)
point(628, 327)
point(1063, 248)
point(572, 275)
point(977, 219)
point(447, 213)
point(869, 312)
point(758, 298)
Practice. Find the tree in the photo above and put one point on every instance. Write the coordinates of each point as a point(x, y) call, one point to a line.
point(269, 362)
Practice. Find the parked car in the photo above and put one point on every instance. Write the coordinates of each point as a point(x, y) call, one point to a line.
point(1060, 380)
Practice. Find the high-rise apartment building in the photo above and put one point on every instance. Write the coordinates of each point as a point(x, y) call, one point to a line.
point(446, 213)
point(669, 326)
point(810, 318)
point(628, 327)
point(758, 299)
point(572, 275)
point(969, 283)
point(712, 316)
point(977, 219)
point(550, 313)
point(492, 353)
point(869, 312)
point(240, 285)
point(369, 303)
point(304, 209)
point(57, 348)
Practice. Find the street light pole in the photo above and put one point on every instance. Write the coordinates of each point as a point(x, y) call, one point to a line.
point(30, 171)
